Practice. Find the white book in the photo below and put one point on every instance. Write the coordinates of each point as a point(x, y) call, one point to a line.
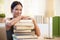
point(33, 32)
point(25, 21)
point(25, 33)
point(25, 36)
point(22, 28)
point(24, 24)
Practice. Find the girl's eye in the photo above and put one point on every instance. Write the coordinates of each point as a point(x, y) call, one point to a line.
point(16, 9)
point(20, 9)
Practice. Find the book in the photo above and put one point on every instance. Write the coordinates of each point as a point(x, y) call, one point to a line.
point(32, 33)
point(24, 36)
point(22, 28)
point(24, 24)
point(25, 21)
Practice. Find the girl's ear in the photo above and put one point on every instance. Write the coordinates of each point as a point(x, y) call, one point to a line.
point(11, 10)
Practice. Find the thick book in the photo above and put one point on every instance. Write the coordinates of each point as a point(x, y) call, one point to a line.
point(24, 36)
point(22, 28)
point(28, 21)
point(24, 24)
point(32, 33)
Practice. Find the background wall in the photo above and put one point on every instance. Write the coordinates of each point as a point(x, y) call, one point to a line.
point(57, 7)
point(30, 7)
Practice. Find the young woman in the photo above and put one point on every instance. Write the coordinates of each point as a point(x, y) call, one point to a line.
point(16, 9)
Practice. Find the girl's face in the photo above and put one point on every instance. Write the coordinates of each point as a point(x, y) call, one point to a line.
point(17, 10)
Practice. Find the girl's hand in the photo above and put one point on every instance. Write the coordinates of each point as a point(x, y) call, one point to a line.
point(24, 17)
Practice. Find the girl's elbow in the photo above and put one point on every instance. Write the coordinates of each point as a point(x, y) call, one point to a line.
point(38, 34)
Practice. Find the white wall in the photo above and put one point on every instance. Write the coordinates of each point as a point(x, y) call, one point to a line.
point(30, 7)
point(57, 7)
point(38, 7)
point(46, 28)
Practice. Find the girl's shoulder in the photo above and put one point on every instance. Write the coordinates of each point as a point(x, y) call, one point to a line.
point(8, 19)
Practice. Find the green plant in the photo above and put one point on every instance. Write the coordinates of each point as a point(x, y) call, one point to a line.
point(2, 15)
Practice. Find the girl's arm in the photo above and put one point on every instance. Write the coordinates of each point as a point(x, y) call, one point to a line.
point(37, 30)
point(9, 23)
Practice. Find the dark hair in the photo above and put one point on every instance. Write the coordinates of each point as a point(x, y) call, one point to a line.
point(14, 4)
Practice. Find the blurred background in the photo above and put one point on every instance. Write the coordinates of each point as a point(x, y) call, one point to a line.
point(32, 7)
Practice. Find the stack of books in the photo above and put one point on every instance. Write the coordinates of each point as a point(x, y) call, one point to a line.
point(24, 29)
